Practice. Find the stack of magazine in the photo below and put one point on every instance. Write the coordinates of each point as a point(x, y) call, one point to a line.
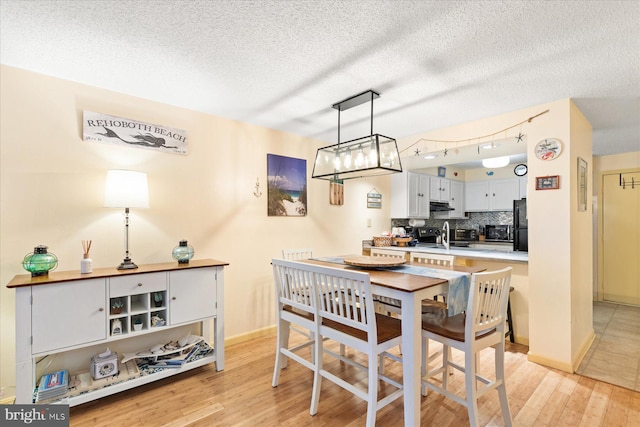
point(175, 361)
point(53, 385)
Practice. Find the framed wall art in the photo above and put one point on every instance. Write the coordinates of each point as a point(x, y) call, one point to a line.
point(374, 199)
point(582, 185)
point(287, 189)
point(548, 182)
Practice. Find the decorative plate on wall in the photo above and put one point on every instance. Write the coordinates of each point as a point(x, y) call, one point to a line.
point(548, 149)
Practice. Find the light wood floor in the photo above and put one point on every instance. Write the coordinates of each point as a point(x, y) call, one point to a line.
point(242, 395)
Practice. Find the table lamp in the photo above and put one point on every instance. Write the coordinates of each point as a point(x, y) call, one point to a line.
point(126, 189)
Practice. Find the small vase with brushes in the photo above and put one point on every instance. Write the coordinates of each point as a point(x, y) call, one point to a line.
point(86, 265)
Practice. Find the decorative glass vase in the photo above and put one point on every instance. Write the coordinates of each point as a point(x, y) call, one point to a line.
point(39, 262)
point(183, 252)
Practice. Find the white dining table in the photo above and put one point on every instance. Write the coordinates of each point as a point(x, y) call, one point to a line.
point(410, 290)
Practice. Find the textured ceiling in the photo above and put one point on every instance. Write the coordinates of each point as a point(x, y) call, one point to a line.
point(282, 64)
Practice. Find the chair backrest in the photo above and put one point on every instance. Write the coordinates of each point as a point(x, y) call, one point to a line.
point(293, 286)
point(488, 298)
point(296, 254)
point(432, 259)
point(344, 297)
point(388, 253)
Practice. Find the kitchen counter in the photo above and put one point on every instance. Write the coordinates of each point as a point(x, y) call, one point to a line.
point(480, 251)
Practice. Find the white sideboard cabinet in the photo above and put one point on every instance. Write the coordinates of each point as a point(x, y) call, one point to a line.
point(66, 312)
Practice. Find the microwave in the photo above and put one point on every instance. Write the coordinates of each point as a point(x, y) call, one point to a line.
point(465, 234)
point(498, 233)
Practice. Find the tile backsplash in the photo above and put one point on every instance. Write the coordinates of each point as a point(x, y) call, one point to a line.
point(475, 221)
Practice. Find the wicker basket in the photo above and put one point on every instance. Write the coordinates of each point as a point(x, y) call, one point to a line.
point(382, 241)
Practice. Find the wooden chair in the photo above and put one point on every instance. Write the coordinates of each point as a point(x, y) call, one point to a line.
point(437, 260)
point(297, 254)
point(294, 306)
point(386, 304)
point(481, 326)
point(345, 313)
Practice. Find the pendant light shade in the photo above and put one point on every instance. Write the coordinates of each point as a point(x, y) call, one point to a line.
point(370, 155)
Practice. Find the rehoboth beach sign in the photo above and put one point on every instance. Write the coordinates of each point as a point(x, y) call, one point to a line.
point(132, 133)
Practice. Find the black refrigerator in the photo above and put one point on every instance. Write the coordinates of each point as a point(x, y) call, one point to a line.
point(520, 230)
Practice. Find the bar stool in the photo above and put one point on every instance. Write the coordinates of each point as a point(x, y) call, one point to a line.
point(509, 332)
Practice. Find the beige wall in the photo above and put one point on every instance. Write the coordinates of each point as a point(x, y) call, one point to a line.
point(52, 193)
point(554, 297)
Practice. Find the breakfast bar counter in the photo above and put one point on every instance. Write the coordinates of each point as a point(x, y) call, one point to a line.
point(486, 252)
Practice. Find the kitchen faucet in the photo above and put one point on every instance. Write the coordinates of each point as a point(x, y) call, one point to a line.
point(445, 235)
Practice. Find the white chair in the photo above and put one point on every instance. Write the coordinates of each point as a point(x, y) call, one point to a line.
point(437, 260)
point(297, 254)
point(294, 305)
point(386, 304)
point(482, 326)
point(345, 313)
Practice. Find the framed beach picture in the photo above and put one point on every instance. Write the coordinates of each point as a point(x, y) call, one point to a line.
point(287, 190)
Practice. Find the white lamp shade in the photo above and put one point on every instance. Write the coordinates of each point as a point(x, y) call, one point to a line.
point(496, 162)
point(126, 189)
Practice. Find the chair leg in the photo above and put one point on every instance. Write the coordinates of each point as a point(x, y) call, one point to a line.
point(342, 349)
point(372, 398)
point(470, 388)
point(317, 378)
point(502, 388)
point(282, 341)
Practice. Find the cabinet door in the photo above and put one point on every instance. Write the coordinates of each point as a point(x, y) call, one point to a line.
point(476, 196)
point(439, 189)
point(503, 193)
point(413, 194)
point(399, 195)
point(457, 199)
point(423, 196)
point(192, 295)
point(69, 313)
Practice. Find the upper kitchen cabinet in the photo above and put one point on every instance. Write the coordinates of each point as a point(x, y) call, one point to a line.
point(495, 195)
point(409, 195)
point(456, 201)
point(439, 189)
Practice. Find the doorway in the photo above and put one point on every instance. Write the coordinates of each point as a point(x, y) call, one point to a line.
point(621, 237)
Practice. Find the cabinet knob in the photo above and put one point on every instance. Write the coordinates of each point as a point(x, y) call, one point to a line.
point(101, 309)
point(139, 284)
point(173, 298)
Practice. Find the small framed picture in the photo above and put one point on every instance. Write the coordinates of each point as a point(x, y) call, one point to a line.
point(548, 182)
point(442, 171)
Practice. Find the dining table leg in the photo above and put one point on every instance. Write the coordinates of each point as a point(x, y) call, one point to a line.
point(411, 358)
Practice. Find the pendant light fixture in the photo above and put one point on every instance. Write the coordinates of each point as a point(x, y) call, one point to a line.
point(370, 155)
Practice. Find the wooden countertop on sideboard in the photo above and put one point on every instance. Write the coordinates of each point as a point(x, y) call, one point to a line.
point(70, 275)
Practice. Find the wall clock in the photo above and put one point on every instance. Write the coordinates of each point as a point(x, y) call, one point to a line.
point(520, 170)
point(548, 149)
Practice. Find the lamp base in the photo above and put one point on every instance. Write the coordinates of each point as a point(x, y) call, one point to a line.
point(127, 264)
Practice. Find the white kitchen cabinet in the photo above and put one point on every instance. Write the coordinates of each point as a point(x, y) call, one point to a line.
point(495, 195)
point(456, 201)
point(439, 189)
point(409, 195)
point(68, 313)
